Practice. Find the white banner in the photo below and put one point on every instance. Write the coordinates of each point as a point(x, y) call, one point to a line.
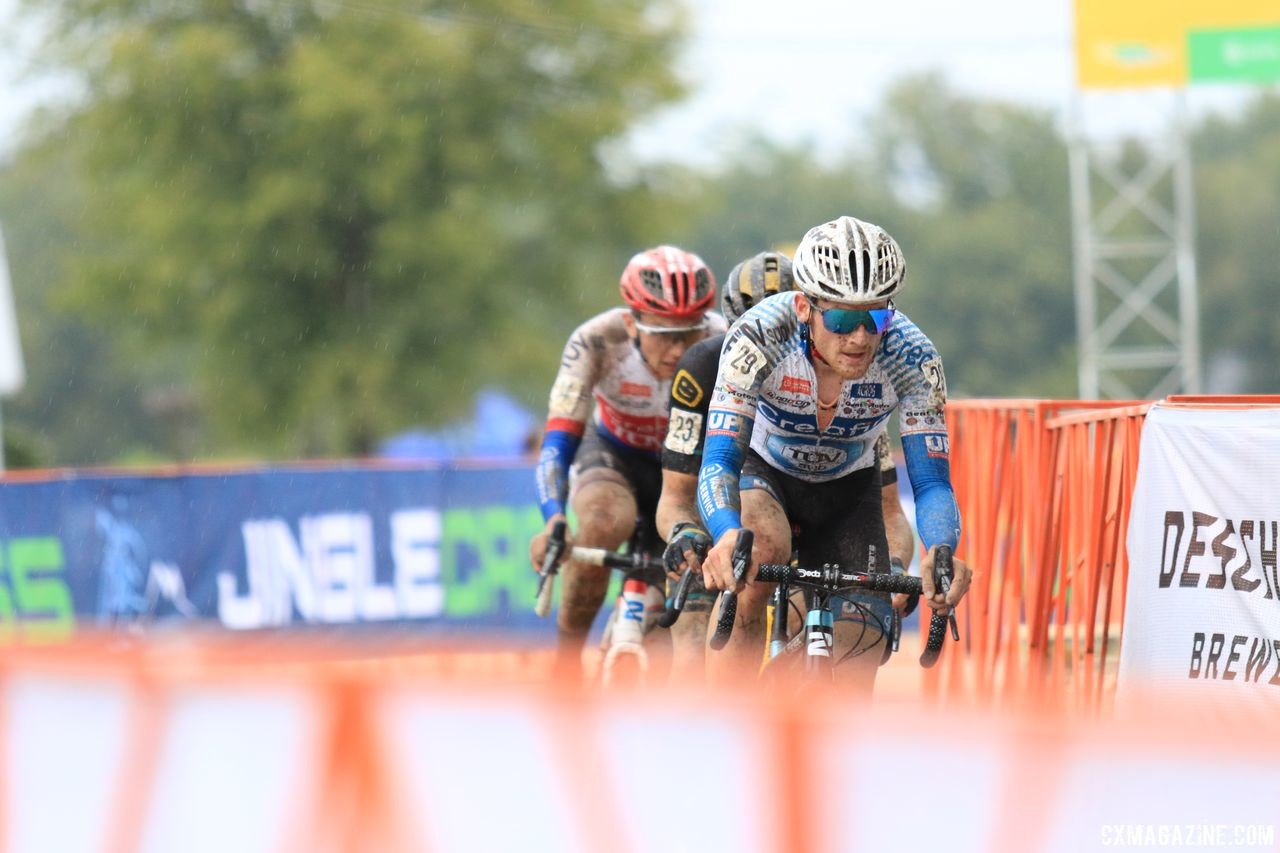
point(1203, 605)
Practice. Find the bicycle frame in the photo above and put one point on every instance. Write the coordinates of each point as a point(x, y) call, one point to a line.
point(818, 636)
point(821, 583)
point(819, 626)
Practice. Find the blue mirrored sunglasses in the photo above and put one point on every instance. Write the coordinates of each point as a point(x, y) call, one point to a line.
point(843, 321)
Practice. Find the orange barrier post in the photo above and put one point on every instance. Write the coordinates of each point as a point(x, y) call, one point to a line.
point(1095, 462)
point(1020, 478)
point(774, 765)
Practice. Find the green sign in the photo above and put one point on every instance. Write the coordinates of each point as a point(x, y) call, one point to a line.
point(497, 538)
point(1234, 56)
point(35, 604)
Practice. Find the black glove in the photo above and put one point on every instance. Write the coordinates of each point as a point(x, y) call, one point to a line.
point(685, 537)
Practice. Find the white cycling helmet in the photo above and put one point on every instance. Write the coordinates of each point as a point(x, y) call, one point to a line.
point(849, 261)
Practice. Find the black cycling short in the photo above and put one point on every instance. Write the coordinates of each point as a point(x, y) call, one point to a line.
point(840, 521)
point(641, 471)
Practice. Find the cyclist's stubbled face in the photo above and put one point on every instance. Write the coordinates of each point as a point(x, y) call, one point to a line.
point(851, 354)
point(662, 350)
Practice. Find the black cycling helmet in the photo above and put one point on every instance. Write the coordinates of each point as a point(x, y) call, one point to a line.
point(752, 280)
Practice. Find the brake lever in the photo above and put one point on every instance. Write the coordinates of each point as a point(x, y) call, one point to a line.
point(741, 559)
point(550, 568)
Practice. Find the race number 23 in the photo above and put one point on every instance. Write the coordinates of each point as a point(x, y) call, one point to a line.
point(684, 431)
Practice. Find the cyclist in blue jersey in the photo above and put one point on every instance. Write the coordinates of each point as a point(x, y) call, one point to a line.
point(748, 283)
point(806, 385)
point(607, 416)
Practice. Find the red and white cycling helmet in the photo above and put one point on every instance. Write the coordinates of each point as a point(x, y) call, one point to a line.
point(669, 282)
point(850, 261)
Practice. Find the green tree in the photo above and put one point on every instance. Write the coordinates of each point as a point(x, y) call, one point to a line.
point(976, 193)
point(768, 194)
point(1237, 180)
point(339, 219)
point(989, 242)
point(83, 402)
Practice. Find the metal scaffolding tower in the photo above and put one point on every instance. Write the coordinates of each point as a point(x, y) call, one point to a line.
point(1133, 222)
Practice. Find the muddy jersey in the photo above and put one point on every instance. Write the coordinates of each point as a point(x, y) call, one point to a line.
point(690, 400)
point(765, 396)
point(690, 396)
point(604, 381)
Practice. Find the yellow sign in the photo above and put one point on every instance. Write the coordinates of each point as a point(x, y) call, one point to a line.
point(1134, 43)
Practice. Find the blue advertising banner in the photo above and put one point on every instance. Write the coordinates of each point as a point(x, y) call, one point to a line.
point(443, 548)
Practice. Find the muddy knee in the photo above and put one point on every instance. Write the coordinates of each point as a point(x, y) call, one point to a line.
point(605, 511)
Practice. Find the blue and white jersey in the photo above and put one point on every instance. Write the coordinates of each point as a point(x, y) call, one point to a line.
point(766, 395)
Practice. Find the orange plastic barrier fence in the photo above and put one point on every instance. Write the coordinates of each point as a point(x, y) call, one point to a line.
point(1017, 484)
point(1044, 489)
point(232, 744)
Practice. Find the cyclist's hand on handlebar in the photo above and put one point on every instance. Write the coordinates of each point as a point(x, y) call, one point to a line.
point(538, 544)
point(717, 568)
point(962, 575)
point(903, 603)
point(689, 544)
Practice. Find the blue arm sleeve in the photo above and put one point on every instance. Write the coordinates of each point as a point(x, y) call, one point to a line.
point(718, 500)
point(937, 516)
point(558, 450)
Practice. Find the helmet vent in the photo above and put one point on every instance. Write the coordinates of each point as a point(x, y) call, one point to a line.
point(886, 263)
point(680, 286)
point(828, 263)
point(860, 260)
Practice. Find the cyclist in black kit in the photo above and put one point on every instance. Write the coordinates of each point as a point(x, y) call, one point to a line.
point(748, 283)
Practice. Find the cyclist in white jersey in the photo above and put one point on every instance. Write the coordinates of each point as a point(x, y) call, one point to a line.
point(806, 385)
point(607, 417)
point(748, 283)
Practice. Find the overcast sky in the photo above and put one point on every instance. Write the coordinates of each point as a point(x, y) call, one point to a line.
point(805, 69)
point(810, 67)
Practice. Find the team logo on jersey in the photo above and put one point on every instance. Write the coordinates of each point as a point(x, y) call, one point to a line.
point(685, 390)
point(868, 390)
point(729, 398)
point(937, 446)
point(724, 423)
point(796, 385)
point(635, 389)
point(802, 455)
point(813, 457)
